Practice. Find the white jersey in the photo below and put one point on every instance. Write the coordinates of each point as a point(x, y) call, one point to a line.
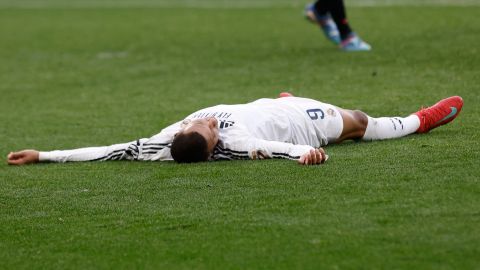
point(266, 128)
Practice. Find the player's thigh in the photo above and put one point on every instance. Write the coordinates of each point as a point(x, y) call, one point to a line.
point(354, 124)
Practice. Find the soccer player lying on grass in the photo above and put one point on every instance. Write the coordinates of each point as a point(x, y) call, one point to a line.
point(288, 127)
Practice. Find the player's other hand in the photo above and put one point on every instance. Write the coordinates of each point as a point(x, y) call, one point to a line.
point(23, 157)
point(315, 156)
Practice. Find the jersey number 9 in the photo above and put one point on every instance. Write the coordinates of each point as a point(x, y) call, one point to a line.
point(314, 114)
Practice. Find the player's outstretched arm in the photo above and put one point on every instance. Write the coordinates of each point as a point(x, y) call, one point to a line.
point(123, 151)
point(23, 157)
point(263, 149)
point(155, 148)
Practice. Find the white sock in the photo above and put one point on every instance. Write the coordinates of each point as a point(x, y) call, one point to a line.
point(390, 127)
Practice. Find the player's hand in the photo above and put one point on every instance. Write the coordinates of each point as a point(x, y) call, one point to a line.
point(315, 156)
point(23, 157)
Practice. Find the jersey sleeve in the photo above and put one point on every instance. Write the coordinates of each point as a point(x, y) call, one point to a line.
point(253, 148)
point(261, 149)
point(123, 151)
point(156, 148)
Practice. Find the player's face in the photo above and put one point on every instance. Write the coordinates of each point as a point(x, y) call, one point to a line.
point(207, 127)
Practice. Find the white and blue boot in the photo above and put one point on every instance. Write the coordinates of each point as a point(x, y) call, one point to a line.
point(353, 43)
point(325, 22)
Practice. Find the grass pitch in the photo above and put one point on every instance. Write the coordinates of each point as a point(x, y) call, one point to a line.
point(73, 77)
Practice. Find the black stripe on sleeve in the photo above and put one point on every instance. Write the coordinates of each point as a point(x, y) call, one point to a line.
point(230, 150)
point(133, 148)
point(283, 155)
point(106, 157)
point(156, 144)
point(223, 153)
point(116, 157)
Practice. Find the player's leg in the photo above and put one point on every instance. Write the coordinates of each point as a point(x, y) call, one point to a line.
point(350, 41)
point(337, 9)
point(358, 125)
point(318, 13)
point(354, 125)
point(321, 7)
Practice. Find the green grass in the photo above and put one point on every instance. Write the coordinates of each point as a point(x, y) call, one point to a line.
point(101, 75)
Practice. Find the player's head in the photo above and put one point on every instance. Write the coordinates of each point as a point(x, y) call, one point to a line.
point(196, 141)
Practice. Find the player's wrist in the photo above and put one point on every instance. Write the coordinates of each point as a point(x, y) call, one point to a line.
point(36, 156)
point(44, 156)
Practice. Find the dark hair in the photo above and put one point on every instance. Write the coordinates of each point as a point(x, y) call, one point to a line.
point(189, 147)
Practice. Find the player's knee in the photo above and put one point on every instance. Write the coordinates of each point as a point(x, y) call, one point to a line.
point(361, 119)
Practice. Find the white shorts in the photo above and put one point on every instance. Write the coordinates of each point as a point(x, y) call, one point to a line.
point(325, 118)
point(331, 127)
